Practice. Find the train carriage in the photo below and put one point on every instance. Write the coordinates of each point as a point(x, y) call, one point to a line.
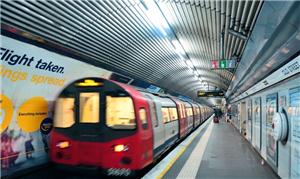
point(111, 126)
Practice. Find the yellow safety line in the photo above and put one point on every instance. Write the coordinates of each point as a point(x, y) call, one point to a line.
point(166, 169)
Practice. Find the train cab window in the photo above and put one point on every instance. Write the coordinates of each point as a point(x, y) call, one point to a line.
point(120, 112)
point(165, 114)
point(64, 113)
point(143, 118)
point(173, 114)
point(89, 107)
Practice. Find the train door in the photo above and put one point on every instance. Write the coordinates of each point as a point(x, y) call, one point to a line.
point(158, 129)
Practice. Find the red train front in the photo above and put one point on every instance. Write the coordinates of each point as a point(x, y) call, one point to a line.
point(102, 124)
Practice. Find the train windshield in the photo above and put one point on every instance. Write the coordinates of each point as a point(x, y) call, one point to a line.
point(89, 107)
point(120, 112)
point(64, 112)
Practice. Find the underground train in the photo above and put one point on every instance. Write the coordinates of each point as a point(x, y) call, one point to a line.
point(116, 128)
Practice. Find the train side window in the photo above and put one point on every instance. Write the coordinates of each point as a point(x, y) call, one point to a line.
point(120, 112)
point(173, 114)
point(190, 111)
point(143, 118)
point(64, 112)
point(165, 114)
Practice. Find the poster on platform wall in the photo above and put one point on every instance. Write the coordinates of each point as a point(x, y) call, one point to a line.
point(294, 113)
point(31, 78)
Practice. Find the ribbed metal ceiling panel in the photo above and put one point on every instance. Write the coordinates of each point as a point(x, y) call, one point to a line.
point(119, 34)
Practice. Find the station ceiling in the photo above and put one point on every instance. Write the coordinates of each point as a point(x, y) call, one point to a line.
point(169, 43)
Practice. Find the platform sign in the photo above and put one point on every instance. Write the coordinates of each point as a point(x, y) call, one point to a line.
point(210, 93)
point(214, 64)
point(294, 113)
point(231, 63)
point(272, 144)
point(222, 64)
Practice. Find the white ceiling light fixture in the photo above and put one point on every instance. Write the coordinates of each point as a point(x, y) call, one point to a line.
point(155, 16)
point(178, 47)
point(189, 64)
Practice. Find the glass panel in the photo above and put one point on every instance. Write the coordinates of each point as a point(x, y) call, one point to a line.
point(153, 113)
point(89, 107)
point(165, 114)
point(272, 148)
point(120, 113)
point(257, 123)
point(143, 118)
point(173, 114)
point(64, 112)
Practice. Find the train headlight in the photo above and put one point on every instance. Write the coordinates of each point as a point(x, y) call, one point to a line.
point(120, 148)
point(64, 144)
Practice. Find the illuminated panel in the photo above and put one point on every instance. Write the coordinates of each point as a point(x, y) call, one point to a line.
point(210, 94)
point(89, 82)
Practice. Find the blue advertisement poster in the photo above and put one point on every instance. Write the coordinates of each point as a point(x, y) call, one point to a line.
point(272, 148)
point(257, 123)
point(294, 113)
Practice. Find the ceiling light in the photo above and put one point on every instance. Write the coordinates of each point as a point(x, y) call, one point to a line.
point(189, 64)
point(155, 16)
point(178, 47)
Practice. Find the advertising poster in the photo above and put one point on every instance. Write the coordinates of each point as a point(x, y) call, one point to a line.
point(272, 148)
point(31, 78)
point(294, 113)
point(257, 123)
point(249, 122)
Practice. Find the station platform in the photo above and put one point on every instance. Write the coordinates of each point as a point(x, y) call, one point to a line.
point(214, 150)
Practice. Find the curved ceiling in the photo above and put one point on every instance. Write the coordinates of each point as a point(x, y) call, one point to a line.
point(123, 35)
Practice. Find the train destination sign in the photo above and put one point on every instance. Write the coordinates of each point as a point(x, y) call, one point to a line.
point(210, 93)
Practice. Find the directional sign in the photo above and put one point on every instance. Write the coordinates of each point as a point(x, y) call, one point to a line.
point(215, 64)
point(217, 93)
point(222, 64)
point(231, 63)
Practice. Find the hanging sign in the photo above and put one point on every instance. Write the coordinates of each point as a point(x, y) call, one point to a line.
point(223, 64)
point(217, 93)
